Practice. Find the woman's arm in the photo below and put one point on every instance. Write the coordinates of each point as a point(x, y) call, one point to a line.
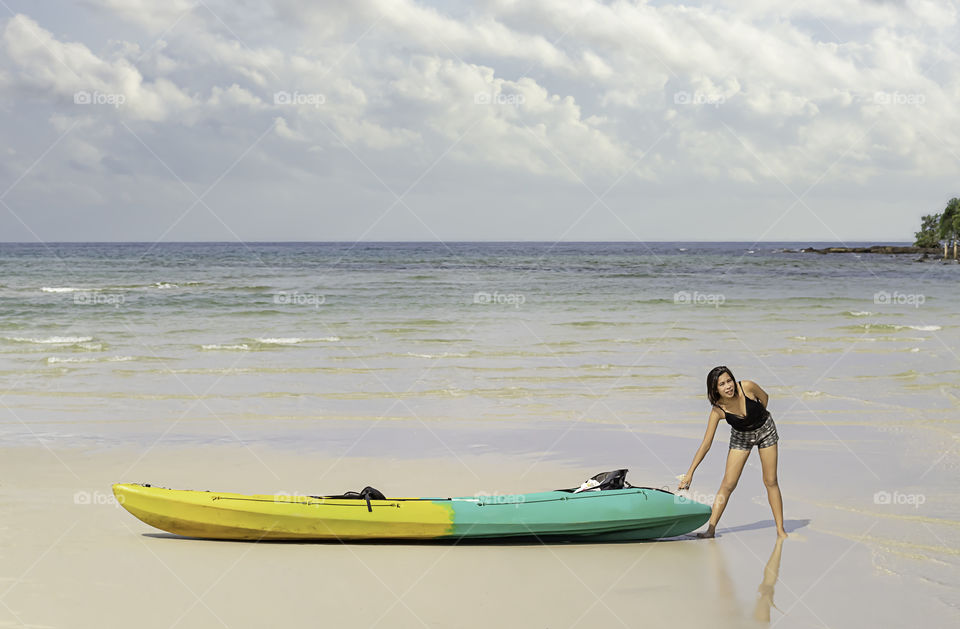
point(753, 389)
point(712, 423)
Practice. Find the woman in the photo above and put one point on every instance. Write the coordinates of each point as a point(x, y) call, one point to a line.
point(744, 407)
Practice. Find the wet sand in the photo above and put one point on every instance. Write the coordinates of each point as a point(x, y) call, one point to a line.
point(71, 557)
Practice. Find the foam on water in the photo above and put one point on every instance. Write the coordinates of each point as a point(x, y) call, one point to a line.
point(65, 289)
point(127, 287)
point(294, 340)
point(894, 327)
point(88, 359)
point(267, 343)
point(49, 340)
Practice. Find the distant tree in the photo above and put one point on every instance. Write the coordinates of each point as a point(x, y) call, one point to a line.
point(956, 218)
point(949, 227)
point(929, 234)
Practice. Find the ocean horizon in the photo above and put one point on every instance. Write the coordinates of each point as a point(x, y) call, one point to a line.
point(455, 241)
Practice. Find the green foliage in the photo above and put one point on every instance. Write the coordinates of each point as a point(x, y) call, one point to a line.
point(949, 227)
point(929, 234)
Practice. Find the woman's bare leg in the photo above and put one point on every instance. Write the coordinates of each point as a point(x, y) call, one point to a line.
point(735, 462)
point(768, 459)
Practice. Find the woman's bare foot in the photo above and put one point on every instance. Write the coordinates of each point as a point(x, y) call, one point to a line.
point(710, 532)
point(781, 534)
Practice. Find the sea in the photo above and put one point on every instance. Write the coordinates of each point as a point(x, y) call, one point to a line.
point(588, 354)
point(295, 343)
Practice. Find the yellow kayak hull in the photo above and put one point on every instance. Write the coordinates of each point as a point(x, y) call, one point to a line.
point(217, 515)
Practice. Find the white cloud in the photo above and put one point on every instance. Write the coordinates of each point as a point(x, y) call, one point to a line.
point(71, 73)
point(233, 96)
point(284, 131)
point(737, 95)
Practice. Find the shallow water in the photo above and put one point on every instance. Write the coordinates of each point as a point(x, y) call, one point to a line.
point(115, 341)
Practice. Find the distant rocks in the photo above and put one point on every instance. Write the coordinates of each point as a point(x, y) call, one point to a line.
point(874, 249)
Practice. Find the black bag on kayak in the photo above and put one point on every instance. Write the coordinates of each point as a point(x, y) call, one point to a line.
point(616, 479)
point(367, 493)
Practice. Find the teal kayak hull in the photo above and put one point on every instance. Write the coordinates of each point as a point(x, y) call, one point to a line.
point(609, 515)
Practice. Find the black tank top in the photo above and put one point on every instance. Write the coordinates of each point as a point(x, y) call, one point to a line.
point(756, 415)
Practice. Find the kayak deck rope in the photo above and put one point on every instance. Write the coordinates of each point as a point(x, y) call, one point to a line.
point(392, 502)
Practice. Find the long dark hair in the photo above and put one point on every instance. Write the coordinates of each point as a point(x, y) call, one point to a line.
point(712, 394)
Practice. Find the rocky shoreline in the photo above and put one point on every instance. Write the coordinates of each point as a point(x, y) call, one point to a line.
point(888, 249)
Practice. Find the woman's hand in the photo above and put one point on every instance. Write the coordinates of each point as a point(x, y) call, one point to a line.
point(685, 480)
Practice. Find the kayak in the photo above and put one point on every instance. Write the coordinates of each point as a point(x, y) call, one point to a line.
point(627, 514)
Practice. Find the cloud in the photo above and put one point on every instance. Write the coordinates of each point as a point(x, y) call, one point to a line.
point(731, 96)
point(70, 73)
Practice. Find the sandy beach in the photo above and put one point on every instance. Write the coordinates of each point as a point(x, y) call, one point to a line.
point(71, 557)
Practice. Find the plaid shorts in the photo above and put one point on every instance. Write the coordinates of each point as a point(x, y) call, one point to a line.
point(762, 437)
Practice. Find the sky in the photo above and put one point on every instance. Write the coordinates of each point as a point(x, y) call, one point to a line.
point(306, 120)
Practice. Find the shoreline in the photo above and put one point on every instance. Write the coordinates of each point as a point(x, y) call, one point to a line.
point(83, 553)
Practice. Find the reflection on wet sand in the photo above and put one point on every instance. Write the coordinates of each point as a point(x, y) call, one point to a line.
point(761, 611)
point(727, 591)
